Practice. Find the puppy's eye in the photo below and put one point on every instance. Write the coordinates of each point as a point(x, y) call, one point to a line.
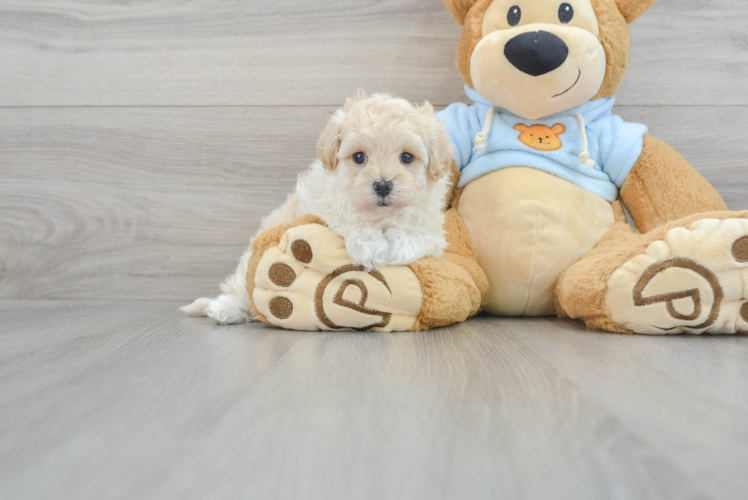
point(359, 158)
point(407, 158)
point(514, 16)
point(565, 13)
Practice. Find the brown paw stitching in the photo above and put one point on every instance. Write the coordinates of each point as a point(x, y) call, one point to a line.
point(693, 294)
point(307, 282)
point(740, 252)
point(283, 275)
point(693, 280)
point(281, 307)
point(360, 307)
point(740, 249)
point(302, 251)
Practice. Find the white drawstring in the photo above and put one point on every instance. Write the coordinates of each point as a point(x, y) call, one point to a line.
point(584, 156)
point(482, 137)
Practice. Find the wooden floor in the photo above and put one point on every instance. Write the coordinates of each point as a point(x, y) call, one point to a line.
point(141, 143)
point(132, 400)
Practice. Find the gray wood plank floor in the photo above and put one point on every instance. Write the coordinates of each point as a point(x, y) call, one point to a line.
point(131, 400)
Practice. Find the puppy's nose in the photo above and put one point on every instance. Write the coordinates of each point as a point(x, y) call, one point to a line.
point(536, 52)
point(383, 188)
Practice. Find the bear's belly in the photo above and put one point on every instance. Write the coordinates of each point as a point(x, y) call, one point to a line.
point(527, 228)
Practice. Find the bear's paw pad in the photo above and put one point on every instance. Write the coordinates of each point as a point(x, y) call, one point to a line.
point(308, 282)
point(694, 280)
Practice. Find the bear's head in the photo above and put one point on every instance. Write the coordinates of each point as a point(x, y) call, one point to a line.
point(540, 57)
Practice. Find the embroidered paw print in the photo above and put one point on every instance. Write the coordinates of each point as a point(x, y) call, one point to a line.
point(541, 137)
point(308, 282)
point(694, 280)
point(284, 276)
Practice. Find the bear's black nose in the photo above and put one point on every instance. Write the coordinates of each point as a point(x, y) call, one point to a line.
point(383, 188)
point(536, 52)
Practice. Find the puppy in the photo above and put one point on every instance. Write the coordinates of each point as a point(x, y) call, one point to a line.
point(380, 182)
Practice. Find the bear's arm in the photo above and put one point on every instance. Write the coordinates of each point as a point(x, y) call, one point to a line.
point(663, 187)
point(463, 124)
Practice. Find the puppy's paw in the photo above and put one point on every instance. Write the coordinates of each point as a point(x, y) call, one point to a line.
point(309, 282)
point(368, 249)
point(227, 310)
point(402, 249)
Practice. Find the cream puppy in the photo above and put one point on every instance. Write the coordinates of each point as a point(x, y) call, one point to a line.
point(380, 182)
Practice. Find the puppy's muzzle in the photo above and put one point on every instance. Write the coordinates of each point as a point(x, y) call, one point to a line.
point(536, 52)
point(383, 188)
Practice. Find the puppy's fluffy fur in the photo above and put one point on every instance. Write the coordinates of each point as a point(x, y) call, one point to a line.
point(395, 226)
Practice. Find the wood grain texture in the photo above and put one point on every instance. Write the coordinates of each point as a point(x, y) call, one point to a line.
point(61, 321)
point(633, 377)
point(122, 202)
point(159, 203)
point(303, 52)
point(160, 406)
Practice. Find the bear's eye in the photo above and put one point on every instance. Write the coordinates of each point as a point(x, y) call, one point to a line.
point(514, 16)
point(565, 13)
point(407, 158)
point(359, 158)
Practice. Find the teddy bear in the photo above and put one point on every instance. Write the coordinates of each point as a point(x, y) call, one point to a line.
point(536, 224)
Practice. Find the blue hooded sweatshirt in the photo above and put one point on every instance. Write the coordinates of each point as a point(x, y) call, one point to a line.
point(613, 145)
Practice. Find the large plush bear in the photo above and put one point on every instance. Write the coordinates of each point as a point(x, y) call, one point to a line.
point(545, 169)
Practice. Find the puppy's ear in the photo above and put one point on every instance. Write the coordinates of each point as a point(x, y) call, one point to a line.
point(439, 145)
point(521, 128)
point(359, 96)
point(328, 144)
point(459, 8)
point(631, 9)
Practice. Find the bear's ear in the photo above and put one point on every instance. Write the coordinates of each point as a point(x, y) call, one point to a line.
point(520, 127)
point(459, 8)
point(558, 129)
point(631, 9)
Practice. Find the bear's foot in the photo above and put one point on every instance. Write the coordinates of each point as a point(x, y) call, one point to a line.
point(693, 280)
point(307, 281)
